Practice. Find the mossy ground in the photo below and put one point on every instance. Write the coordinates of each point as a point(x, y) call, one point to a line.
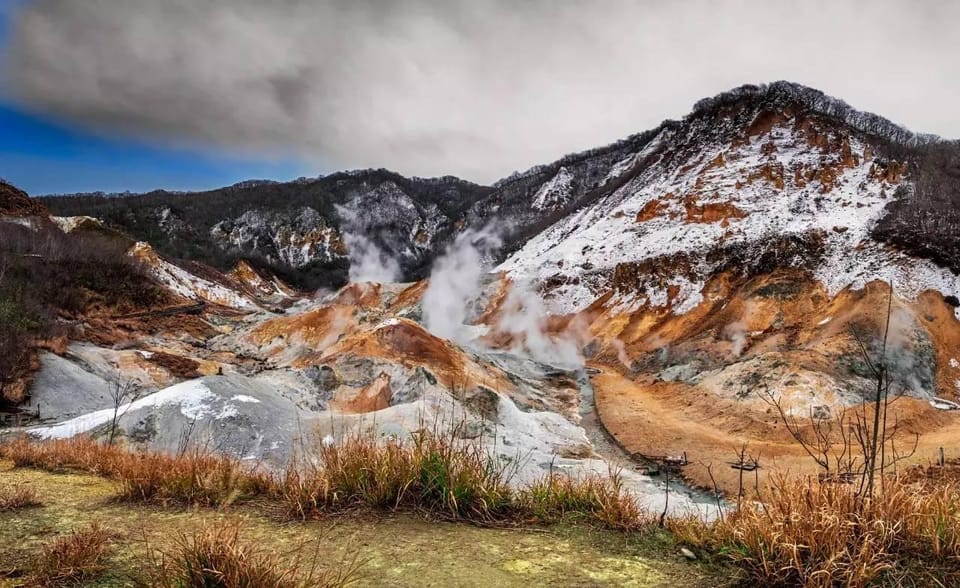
point(396, 549)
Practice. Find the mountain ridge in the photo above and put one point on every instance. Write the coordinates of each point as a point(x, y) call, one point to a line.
point(446, 204)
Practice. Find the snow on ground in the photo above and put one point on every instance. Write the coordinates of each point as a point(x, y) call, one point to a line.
point(187, 284)
point(69, 223)
point(599, 237)
point(192, 396)
point(555, 192)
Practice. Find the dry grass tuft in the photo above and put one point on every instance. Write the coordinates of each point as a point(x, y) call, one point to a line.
point(217, 557)
point(18, 497)
point(439, 474)
point(811, 534)
point(73, 559)
point(601, 499)
point(196, 478)
point(433, 473)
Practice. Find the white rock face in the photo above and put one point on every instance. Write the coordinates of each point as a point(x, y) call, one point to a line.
point(296, 239)
point(69, 223)
point(230, 414)
point(556, 192)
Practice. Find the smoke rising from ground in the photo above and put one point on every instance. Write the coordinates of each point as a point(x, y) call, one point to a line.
point(455, 281)
point(456, 284)
point(476, 88)
point(736, 332)
point(909, 356)
point(621, 350)
point(524, 316)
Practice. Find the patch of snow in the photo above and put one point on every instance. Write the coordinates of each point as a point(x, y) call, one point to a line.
point(824, 321)
point(390, 322)
point(554, 192)
point(24, 221)
point(244, 398)
point(227, 411)
point(941, 404)
point(192, 396)
point(187, 284)
point(69, 223)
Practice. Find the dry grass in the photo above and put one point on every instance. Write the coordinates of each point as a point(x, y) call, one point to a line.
point(435, 474)
point(217, 557)
point(195, 478)
point(803, 534)
point(72, 560)
point(811, 534)
point(598, 498)
point(449, 478)
point(18, 497)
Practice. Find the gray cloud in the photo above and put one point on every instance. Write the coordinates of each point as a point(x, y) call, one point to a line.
point(476, 88)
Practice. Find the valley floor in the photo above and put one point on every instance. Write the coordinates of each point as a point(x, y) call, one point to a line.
point(395, 550)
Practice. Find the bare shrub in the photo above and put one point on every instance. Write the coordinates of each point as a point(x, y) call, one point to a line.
point(217, 557)
point(18, 497)
point(73, 559)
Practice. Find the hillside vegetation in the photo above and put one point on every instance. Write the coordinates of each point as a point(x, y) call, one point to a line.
point(48, 278)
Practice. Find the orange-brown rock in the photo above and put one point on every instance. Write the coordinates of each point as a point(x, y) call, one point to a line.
point(716, 162)
point(179, 366)
point(764, 122)
point(649, 211)
point(409, 344)
point(316, 329)
point(710, 212)
point(793, 336)
point(771, 172)
point(376, 396)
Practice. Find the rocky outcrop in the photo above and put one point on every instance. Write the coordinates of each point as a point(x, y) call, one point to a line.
point(294, 238)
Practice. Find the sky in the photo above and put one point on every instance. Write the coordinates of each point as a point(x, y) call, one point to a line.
point(47, 154)
point(138, 94)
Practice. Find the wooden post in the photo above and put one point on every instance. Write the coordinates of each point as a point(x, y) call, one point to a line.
point(940, 460)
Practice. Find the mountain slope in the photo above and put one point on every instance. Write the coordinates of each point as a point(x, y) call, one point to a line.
point(298, 228)
point(777, 170)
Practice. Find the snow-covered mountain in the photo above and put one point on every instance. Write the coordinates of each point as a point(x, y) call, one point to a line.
point(746, 175)
point(783, 158)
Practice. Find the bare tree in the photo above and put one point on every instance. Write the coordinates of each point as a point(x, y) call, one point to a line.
point(122, 393)
point(854, 445)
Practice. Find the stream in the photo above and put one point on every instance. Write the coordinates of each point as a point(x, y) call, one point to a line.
point(611, 451)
